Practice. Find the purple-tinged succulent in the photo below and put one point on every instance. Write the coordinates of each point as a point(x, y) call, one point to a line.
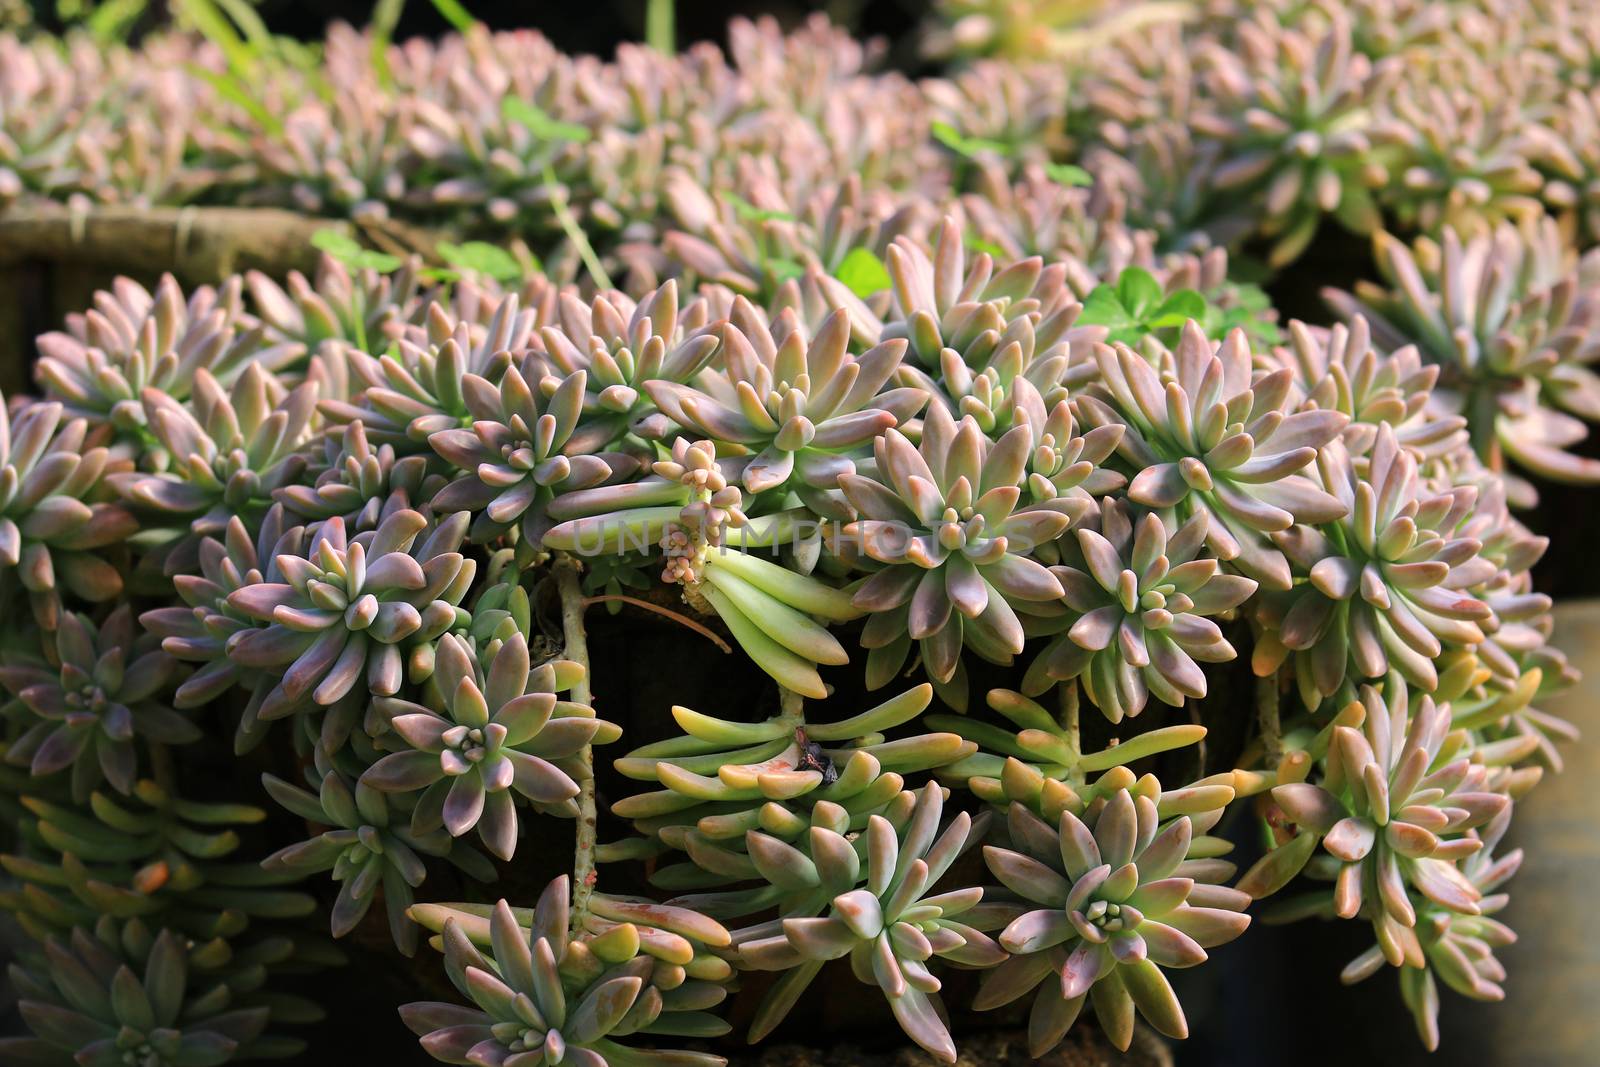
point(891, 927)
point(346, 611)
point(1133, 618)
point(499, 728)
point(359, 306)
point(1338, 369)
point(1385, 586)
point(363, 485)
point(1210, 436)
point(100, 690)
point(514, 459)
point(1102, 905)
point(544, 996)
point(945, 520)
point(368, 847)
point(52, 522)
point(800, 403)
point(1396, 800)
point(226, 452)
point(1292, 106)
point(1506, 317)
point(133, 340)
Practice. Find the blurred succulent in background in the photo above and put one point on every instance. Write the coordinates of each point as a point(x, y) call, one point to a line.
point(1293, 108)
point(1506, 317)
point(368, 848)
point(99, 689)
point(130, 1001)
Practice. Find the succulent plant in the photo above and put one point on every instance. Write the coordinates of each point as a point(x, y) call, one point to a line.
point(52, 521)
point(943, 519)
point(890, 927)
point(156, 856)
point(99, 690)
point(1293, 108)
point(1382, 588)
point(1218, 439)
point(99, 1003)
point(348, 611)
point(1133, 617)
point(798, 405)
point(546, 997)
point(368, 847)
point(1104, 905)
point(134, 340)
point(228, 451)
point(1503, 315)
point(500, 728)
point(1392, 809)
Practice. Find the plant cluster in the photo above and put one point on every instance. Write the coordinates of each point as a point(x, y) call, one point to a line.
point(949, 418)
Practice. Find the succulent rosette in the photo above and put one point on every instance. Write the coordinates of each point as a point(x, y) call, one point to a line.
point(1209, 435)
point(543, 996)
point(1103, 904)
point(102, 688)
point(100, 1003)
point(499, 728)
point(514, 458)
point(226, 452)
point(1293, 108)
point(722, 779)
point(1133, 619)
point(1504, 315)
point(1392, 810)
point(1338, 369)
point(347, 611)
point(337, 303)
point(134, 340)
point(800, 404)
point(890, 927)
point(368, 847)
point(1386, 587)
point(363, 485)
point(52, 522)
point(625, 350)
point(943, 519)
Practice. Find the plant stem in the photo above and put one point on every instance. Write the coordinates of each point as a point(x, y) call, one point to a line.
point(1069, 716)
point(1267, 716)
point(791, 707)
point(577, 650)
point(574, 232)
point(660, 26)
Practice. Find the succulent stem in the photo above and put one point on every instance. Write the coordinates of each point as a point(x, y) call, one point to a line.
point(575, 234)
point(577, 650)
point(791, 707)
point(1267, 716)
point(1069, 716)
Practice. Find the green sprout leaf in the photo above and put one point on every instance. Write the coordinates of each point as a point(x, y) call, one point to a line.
point(863, 272)
point(540, 123)
point(962, 145)
point(348, 250)
point(480, 257)
point(1068, 174)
